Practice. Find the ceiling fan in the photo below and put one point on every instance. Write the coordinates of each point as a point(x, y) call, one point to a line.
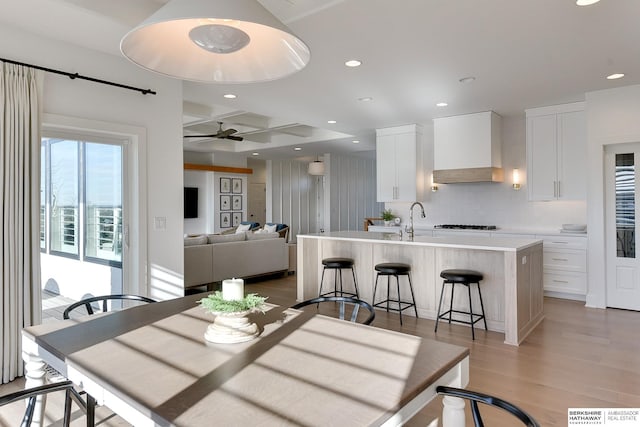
point(221, 134)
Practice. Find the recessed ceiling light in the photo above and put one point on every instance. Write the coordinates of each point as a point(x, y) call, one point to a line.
point(468, 79)
point(255, 154)
point(355, 141)
point(365, 99)
point(331, 122)
point(615, 76)
point(297, 148)
point(441, 104)
point(353, 63)
point(229, 96)
point(586, 2)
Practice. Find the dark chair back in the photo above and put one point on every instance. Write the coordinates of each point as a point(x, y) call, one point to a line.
point(474, 397)
point(88, 302)
point(353, 304)
point(32, 393)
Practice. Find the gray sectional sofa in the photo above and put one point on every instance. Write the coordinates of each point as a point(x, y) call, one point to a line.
point(213, 258)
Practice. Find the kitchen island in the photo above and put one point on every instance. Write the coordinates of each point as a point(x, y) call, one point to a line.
point(512, 289)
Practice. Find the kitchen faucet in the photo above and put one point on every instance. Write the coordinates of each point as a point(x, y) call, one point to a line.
point(409, 231)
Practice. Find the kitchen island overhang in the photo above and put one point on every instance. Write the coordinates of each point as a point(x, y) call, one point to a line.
point(512, 288)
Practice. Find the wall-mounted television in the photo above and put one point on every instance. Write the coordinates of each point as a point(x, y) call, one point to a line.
point(191, 202)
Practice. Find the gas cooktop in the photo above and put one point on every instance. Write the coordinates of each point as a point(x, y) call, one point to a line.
point(466, 227)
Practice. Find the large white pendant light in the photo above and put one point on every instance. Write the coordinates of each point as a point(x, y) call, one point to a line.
point(221, 41)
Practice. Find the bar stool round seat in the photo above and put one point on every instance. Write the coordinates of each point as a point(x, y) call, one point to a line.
point(462, 276)
point(337, 264)
point(395, 269)
point(465, 278)
point(391, 268)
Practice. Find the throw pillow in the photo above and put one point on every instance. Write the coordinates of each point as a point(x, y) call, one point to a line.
point(195, 240)
point(260, 236)
point(242, 228)
point(226, 238)
point(270, 228)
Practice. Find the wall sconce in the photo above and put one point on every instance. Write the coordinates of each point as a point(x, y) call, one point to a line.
point(434, 186)
point(516, 179)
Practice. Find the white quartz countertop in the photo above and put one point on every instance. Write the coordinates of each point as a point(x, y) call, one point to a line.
point(462, 242)
point(496, 233)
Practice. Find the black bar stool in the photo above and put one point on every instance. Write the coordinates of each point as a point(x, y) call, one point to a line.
point(466, 278)
point(338, 264)
point(394, 269)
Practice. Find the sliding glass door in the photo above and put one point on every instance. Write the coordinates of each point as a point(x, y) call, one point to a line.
point(82, 216)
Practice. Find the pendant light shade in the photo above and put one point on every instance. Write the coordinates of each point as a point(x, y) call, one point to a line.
point(316, 168)
point(216, 41)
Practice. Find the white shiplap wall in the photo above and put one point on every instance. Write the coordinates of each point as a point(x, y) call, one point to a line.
point(298, 199)
point(352, 192)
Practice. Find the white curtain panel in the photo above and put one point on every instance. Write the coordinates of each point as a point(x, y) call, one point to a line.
point(20, 301)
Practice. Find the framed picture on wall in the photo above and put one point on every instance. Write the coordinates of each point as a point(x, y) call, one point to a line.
point(225, 202)
point(225, 219)
point(236, 185)
point(225, 185)
point(237, 203)
point(236, 219)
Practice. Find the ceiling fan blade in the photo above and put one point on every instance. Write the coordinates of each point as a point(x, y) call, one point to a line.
point(222, 134)
point(226, 132)
point(216, 135)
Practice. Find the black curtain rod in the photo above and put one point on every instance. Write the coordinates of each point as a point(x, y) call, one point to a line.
point(79, 76)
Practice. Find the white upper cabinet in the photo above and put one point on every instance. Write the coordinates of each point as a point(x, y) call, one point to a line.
point(557, 152)
point(399, 164)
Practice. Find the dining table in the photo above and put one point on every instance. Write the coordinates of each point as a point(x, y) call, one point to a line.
point(151, 365)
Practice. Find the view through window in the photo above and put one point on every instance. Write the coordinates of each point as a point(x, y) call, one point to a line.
point(625, 205)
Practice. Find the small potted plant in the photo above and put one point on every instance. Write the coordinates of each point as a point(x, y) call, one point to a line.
point(232, 324)
point(387, 217)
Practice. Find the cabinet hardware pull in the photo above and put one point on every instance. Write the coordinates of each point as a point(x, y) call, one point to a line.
point(564, 243)
point(559, 192)
point(560, 281)
point(560, 259)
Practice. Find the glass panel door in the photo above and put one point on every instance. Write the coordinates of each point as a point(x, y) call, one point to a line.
point(621, 211)
point(81, 218)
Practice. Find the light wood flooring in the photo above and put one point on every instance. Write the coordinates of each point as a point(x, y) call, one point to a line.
point(577, 357)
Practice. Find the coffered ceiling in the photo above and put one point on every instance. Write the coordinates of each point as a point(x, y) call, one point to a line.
point(522, 54)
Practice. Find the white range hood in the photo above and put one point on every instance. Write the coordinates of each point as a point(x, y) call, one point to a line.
point(468, 148)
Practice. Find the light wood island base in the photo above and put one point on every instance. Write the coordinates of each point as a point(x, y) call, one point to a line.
point(512, 287)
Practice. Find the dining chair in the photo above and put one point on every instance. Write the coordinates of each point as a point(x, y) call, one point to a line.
point(88, 303)
point(32, 393)
point(474, 398)
point(344, 303)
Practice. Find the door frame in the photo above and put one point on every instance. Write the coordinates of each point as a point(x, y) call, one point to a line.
point(134, 262)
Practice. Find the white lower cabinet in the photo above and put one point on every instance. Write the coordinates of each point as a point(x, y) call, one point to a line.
point(565, 264)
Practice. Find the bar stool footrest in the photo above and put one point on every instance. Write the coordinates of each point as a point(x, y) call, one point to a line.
point(383, 304)
point(339, 294)
point(444, 316)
